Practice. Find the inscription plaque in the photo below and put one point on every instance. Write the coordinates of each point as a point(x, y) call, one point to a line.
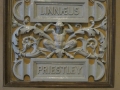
point(52, 70)
point(65, 11)
point(60, 11)
point(41, 69)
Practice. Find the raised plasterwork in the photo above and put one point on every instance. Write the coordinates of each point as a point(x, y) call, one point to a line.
point(41, 69)
point(59, 37)
point(76, 11)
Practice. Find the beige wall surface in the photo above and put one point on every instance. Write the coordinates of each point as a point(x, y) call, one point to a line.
point(117, 57)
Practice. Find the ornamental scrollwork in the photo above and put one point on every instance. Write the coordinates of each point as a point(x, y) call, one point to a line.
point(59, 45)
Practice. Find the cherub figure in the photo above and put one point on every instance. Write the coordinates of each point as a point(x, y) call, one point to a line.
point(59, 46)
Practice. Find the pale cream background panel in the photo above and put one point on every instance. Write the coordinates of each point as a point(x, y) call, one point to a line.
point(117, 57)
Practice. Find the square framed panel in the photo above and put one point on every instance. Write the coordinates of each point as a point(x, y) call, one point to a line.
point(54, 43)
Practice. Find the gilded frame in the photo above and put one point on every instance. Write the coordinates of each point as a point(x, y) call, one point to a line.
point(110, 55)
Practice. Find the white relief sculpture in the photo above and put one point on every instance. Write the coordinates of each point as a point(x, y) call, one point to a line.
point(92, 31)
point(38, 10)
point(57, 43)
point(59, 46)
point(46, 72)
point(26, 43)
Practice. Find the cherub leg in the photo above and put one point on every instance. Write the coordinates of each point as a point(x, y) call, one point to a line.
point(50, 46)
point(70, 45)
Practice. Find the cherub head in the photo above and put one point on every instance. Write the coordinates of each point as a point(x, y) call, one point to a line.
point(59, 27)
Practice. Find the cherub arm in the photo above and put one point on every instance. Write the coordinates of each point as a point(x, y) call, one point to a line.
point(46, 29)
point(70, 29)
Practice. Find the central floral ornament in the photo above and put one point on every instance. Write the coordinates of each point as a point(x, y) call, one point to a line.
point(59, 46)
